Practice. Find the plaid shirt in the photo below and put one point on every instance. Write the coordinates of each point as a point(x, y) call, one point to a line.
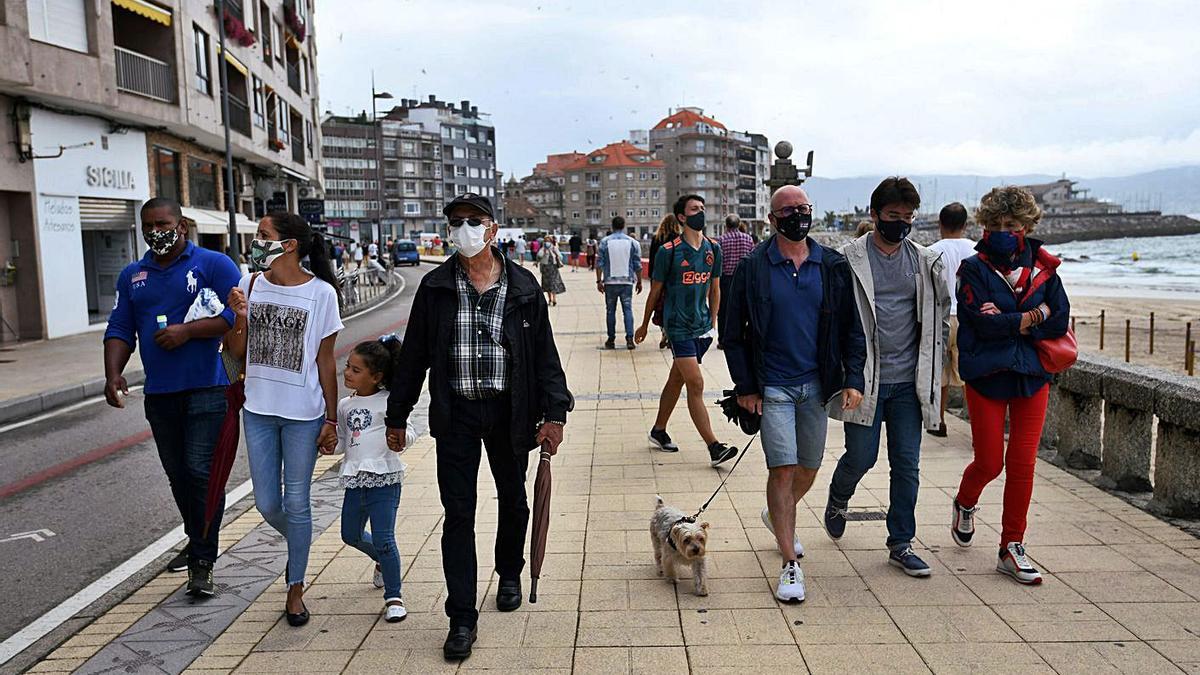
point(479, 363)
point(735, 245)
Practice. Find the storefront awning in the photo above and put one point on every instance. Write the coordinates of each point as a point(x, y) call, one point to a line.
point(146, 9)
point(217, 222)
point(294, 174)
point(237, 65)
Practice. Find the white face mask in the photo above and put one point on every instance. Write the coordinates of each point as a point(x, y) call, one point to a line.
point(469, 240)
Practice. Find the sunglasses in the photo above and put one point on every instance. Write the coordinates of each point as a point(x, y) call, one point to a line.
point(473, 222)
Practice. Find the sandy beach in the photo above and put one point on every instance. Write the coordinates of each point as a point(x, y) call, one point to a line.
point(1171, 315)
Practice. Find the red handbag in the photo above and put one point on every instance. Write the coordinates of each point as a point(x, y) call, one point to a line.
point(1057, 354)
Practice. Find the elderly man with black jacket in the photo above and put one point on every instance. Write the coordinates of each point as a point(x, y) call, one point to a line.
point(793, 344)
point(479, 326)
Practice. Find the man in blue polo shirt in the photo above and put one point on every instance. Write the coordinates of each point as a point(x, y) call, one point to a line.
point(794, 342)
point(185, 380)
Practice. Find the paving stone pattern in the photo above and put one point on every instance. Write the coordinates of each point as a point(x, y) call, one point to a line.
point(1121, 591)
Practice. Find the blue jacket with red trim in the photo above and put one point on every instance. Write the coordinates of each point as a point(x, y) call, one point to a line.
point(993, 356)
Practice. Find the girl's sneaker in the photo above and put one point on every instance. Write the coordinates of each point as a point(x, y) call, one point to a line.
point(377, 580)
point(393, 610)
point(1014, 563)
point(962, 525)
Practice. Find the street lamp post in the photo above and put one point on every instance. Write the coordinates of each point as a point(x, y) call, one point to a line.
point(235, 245)
point(376, 95)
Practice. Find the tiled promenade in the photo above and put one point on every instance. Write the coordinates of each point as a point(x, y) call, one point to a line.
point(1121, 592)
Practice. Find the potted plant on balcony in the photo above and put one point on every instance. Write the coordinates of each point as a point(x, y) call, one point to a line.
point(236, 30)
point(276, 144)
point(293, 20)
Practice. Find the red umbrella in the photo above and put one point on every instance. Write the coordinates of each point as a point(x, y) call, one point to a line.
point(541, 521)
point(225, 451)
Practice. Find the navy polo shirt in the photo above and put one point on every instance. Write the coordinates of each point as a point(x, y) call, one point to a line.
point(145, 290)
point(790, 352)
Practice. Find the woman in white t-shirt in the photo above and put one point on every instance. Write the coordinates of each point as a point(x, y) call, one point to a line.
point(287, 326)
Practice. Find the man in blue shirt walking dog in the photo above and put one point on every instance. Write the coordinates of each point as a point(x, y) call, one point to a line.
point(185, 380)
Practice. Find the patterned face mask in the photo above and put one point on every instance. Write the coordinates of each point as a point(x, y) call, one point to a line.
point(265, 252)
point(161, 241)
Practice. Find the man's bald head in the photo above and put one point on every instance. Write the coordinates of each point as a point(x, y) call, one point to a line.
point(788, 195)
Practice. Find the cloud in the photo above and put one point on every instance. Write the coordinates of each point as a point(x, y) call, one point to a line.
point(1102, 87)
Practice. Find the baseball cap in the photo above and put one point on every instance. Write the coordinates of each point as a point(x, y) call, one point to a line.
point(471, 199)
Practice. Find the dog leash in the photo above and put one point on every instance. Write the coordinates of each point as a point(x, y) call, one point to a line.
point(733, 468)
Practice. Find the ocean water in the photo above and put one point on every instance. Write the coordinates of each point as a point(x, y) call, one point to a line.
point(1165, 266)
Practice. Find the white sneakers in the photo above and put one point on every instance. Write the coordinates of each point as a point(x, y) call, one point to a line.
point(393, 610)
point(791, 583)
point(377, 580)
point(962, 524)
point(797, 547)
point(1014, 563)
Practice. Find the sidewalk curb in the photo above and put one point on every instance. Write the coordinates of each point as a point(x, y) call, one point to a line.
point(33, 404)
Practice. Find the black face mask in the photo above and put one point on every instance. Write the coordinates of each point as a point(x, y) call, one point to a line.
point(795, 227)
point(696, 221)
point(893, 231)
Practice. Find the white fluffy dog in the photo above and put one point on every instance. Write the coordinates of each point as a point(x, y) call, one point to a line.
point(679, 540)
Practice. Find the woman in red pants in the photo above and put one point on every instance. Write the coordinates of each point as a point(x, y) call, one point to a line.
point(1009, 297)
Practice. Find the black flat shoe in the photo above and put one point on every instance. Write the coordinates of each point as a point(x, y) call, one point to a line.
point(458, 643)
point(508, 595)
point(940, 432)
point(298, 619)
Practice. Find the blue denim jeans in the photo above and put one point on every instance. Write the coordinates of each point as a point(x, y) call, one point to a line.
point(624, 293)
point(377, 504)
point(282, 455)
point(899, 408)
point(186, 425)
point(794, 424)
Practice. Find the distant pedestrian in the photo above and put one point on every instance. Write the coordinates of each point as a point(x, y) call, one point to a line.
point(618, 273)
point(520, 244)
point(576, 244)
point(954, 248)
point(437, 244)
point(735, 245)
point(684, 272)
point(356, 253)
point(185, 381)
point(904, 312)
point(549, 263)
point(371, 473)
point(1009, 297)
point(287, 327)
point(592, 246)
point(511, 400)
point(668, 230)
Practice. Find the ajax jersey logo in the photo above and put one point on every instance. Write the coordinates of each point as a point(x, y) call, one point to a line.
point(690, 277)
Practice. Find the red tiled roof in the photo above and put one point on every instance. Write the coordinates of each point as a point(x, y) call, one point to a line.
point(622, 154)
point(554, 164)
point(686, 118)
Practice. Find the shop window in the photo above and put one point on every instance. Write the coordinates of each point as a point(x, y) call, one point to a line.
point(166, 172)
point(202, 183)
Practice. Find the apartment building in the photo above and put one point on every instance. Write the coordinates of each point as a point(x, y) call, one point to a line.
point(467, 150)
point(350, 148)
point(619, 179)
point(703, 157)
point(115, 102)
point(536, 202)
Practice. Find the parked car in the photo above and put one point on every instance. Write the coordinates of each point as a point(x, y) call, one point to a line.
point(406, 253)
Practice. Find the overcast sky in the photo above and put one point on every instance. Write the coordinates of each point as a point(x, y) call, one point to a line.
point(1093, 88)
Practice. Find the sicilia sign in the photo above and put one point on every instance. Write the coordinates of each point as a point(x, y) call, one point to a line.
point(99, 176)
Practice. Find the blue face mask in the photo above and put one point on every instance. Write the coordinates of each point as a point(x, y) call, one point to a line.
point(1004, 243)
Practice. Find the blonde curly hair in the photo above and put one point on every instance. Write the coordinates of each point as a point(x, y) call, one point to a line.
point(1010, 201)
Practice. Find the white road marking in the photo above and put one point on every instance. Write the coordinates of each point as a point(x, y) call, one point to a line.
point(36, 535)
point(22, 639)
point(39, 628)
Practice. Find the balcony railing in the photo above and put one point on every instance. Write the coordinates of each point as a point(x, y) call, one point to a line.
point(293, 73)
point(297, 149)
point(239, 116)
point(145, 76)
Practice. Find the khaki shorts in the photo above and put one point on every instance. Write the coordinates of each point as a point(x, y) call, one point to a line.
point(950, 377)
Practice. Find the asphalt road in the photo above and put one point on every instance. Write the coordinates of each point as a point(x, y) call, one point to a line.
point(103, 512)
